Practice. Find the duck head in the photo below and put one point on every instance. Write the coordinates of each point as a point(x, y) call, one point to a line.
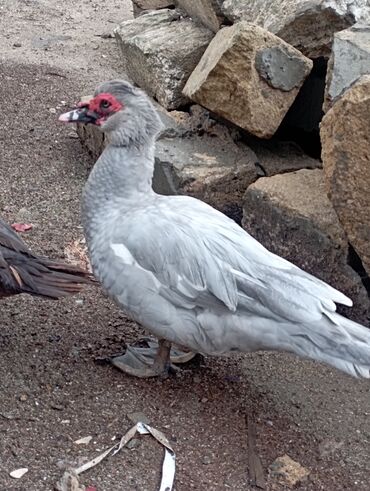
point(120, 110)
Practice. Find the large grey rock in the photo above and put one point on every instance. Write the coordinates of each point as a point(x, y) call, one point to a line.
point(159, 51)
point(248, 76)
point(345, 136)
point(207, 11)
point(292, 216)
point(350, 58)
point(142, 6)
point(153, 4)
point(308, 25)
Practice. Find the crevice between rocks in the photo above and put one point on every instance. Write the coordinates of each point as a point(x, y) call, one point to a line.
point(354, 261)
point(302, 122)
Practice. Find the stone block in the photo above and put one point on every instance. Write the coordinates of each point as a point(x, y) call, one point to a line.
point(350, 58)
point(308, 25)
point(142, 6)
point(153, 4)
point(249, 77)
point(206, 11)
point(345, 140)
point(292, 216)
point(159, 51)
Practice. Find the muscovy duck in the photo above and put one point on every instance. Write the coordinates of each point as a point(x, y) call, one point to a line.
point(188, 273)
point(23, 272)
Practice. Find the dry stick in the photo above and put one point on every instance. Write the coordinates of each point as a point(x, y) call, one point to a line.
point(254, 462)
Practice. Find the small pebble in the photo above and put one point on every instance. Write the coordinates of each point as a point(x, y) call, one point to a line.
point(134, 443)
point(206, 460)
point(84, 441)
point(18, 473)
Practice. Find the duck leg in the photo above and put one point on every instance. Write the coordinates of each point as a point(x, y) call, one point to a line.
point(154, 361)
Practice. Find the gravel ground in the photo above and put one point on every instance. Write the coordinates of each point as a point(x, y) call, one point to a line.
point(53, 391)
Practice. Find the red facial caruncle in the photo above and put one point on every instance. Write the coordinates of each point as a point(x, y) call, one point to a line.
point(103, 105)
point(95, 111)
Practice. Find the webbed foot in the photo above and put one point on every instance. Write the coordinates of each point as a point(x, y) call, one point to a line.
point(155, 360)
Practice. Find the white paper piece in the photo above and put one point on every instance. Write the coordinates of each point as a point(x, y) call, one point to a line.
point(169, 461)
point(18, 473)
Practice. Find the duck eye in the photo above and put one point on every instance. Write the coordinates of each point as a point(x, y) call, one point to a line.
point(105, 104)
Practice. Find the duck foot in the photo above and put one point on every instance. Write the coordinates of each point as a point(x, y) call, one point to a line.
point(155, 360)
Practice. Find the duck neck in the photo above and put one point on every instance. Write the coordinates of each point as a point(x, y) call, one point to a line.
point(121, 178)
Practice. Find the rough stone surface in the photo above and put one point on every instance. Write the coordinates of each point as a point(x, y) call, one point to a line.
point(292, 216)
point(207, 11)
point(350, 58)
point(346, 159)
point(140, 7)
point(153, 4)
point(308, 25)
point(159, 51)
point(227, 82)
point(182, 123)
point(280, 68)
point(287, 471)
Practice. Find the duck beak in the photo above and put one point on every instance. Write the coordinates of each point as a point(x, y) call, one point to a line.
point(81, 114)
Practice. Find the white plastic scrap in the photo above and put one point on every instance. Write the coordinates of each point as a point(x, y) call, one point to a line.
point(169, 461)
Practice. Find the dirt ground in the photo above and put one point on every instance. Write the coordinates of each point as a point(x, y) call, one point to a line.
point(53, 391)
